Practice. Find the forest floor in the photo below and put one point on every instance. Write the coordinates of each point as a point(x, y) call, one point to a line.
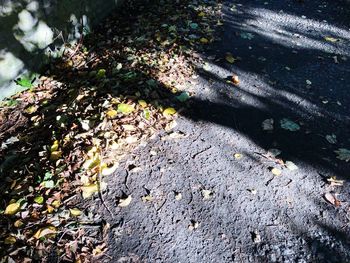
point(200, 131)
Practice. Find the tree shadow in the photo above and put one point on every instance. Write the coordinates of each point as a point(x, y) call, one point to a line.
point(266, 90)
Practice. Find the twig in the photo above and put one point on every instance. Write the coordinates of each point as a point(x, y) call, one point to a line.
point(99, 180)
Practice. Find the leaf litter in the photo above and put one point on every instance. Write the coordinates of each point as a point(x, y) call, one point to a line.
point(102, 99)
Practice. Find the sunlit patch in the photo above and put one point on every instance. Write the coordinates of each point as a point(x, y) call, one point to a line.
point(293, 31)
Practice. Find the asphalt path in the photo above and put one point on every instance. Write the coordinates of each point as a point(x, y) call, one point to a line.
point(214, 195)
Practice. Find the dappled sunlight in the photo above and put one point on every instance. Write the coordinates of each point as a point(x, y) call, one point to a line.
point(293, 31)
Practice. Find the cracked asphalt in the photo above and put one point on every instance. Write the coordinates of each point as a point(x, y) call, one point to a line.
point(294, 62)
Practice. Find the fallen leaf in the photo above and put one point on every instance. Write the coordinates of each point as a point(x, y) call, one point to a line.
point(112, 114)
point(204, 40)
point(238, 156)
point(39, 200)
point(291, 166)
point(332, 139)
point(101, 73)
point(276, 171)
point(10, 240)
point(147, 198)
point(331, 39)
point(169, 111)
point(207, 194)
point(142, 103)
point(48, 231)
point(235, 80)
point(267, 125)
point(89, 190)
point(178, 196)
point(18, 223)
point(12, 209)
point(56, 203)
point(289, 125)
point(184, 96)
point(229, 58)
point(125, 108)
point(105, 171)
point(194, 225)
point(75, 212)
point(256, 237)
point(54, 156)
point(343, 154)
point(334, 181)
point(273, 152)
point(253, 191)
point(206, 67)
point(329, 197)
point(248, 36)
point(123, 202)
point(48, 184)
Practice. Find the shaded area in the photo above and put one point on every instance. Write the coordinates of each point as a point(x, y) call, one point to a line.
point(287, 212)
point(33, 33)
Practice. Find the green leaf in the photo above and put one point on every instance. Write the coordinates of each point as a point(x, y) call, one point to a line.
point(48, 184)
point(101, 73)
point(24, 82)
point(39, 200)
point(151, 83)
point(289, 125)
point(249, 36)
point(331, 138)
point(125, 108)
point(147, 114)
point(194, 26)
point(183, 97)
point(343, 154)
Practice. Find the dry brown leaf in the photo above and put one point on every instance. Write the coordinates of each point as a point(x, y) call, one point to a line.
point(332, 199)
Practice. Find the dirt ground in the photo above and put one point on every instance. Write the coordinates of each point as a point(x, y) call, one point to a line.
point(209, 193)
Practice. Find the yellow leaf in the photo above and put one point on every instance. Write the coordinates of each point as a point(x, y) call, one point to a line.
point(169, 111)
point(54, 146)
point(18, 223)
point(50, 209)
point(229, 58)
point(204, 40)
point(109, 170)
point(31, 109)
point(276, 171)
point(75, 212)
point(143, 103)
point(125, 108)
point(111, 113)
point(55, 155)
point(10, 240)
point(238, 156)
point(331, 39)
point(56, 204)
point(125, 202)
point(92, 162)
point(89, 190)
point(48, 231)
point(201, 14)
point(147, 198)
point(12, 209)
